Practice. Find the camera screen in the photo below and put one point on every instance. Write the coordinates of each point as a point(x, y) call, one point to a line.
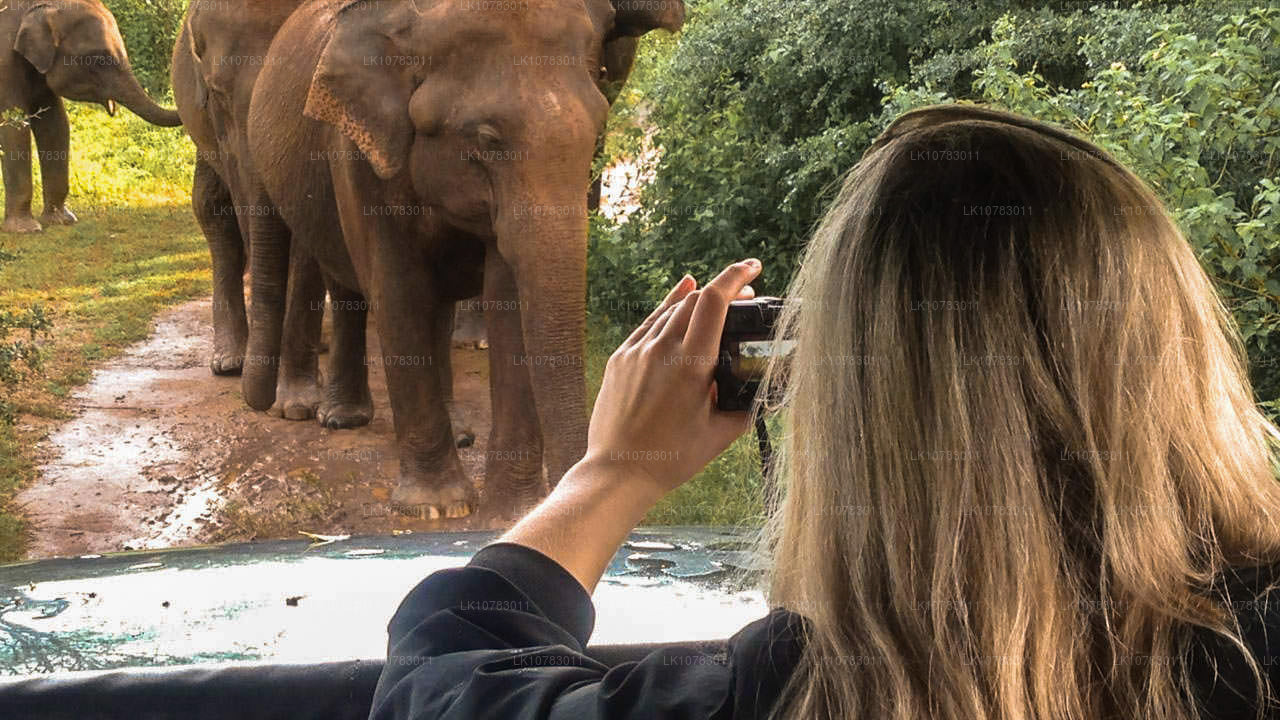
point(753, 356)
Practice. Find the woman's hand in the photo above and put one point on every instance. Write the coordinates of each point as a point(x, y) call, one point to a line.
point(655, 419)
point(655, 424)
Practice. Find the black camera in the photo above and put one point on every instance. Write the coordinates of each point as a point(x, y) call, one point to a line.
point(746, 346)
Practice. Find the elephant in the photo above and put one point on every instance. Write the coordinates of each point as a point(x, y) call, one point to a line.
point(50, 50)
point(216, 61)
point(456, 139)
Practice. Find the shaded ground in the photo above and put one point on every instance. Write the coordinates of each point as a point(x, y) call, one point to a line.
point(163, 453)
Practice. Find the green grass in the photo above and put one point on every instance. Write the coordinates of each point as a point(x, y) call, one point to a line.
point(136, 250)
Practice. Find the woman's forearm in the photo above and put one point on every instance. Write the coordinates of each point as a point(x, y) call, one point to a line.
point(586, 518)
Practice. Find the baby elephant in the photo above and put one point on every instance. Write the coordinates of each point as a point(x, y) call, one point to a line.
point(49, 50)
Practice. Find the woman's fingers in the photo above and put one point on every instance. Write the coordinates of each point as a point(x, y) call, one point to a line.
point(682, 288)
point(663, 320)
point(675, 328)
point(672, 317)
point(703, 337)
point(678, 326)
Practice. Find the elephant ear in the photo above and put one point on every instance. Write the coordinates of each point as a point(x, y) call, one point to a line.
point(37, 39)
point(367, 102)
point(618, 59)
point(637, 17)
point(197, 80)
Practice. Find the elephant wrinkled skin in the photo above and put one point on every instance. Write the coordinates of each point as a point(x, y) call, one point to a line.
point(454, 142)
point(50, 50)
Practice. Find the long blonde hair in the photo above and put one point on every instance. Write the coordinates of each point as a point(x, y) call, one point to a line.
point(1020, 441)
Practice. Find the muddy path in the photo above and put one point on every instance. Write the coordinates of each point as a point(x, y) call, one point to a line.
point(162, 453)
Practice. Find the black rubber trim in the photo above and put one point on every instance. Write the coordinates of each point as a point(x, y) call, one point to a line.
point(322, 691)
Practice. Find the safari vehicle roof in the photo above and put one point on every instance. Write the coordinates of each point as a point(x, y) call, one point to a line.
point(295, 601)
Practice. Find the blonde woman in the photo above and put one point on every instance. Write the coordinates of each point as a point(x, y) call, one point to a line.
point(1023, 477)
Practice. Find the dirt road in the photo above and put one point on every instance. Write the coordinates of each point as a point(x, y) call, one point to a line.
point(163, 453)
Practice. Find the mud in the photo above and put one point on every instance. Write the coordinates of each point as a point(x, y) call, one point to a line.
point(162, 453)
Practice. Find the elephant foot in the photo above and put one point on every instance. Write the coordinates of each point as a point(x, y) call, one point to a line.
point(20, 224)
point(432, 501)
point(58, 216)
point(228, 358)
point(296, 398)
point(227, 363)
point(339, 415)
point(228, 350)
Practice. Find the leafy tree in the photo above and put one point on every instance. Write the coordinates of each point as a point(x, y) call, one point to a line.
point(150, 28)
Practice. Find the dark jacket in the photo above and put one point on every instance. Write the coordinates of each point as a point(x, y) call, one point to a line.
point(502, 639)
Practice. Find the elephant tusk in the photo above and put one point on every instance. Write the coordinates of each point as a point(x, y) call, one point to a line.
point(111, 108)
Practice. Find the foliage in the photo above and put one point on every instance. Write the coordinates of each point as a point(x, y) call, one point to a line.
point(150, 28)
point(19, 352)
point(14, 117)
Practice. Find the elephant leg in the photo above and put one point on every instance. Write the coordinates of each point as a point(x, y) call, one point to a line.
point(432, 482)
point(442, 355)
point(269, 242)
point(513, 459)
point(15, 143)
point(212, 203)
point(298, 386)
point(347, 402)
point(53, 138)
point(442, 348)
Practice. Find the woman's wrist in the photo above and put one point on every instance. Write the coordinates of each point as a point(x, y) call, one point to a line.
point(587, 517)
point(623, 478)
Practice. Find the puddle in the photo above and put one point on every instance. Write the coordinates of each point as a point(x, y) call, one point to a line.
point(193, 509)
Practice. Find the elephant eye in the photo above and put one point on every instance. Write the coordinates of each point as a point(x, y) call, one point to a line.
point(489, 137)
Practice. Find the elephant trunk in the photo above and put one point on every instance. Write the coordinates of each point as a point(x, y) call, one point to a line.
point(131, 95)
point(548, 256)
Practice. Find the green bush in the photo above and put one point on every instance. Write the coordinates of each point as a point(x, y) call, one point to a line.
point(150, 28)
point(762, 106)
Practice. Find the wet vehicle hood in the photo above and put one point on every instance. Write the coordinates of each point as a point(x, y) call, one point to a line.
point(300, 601)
